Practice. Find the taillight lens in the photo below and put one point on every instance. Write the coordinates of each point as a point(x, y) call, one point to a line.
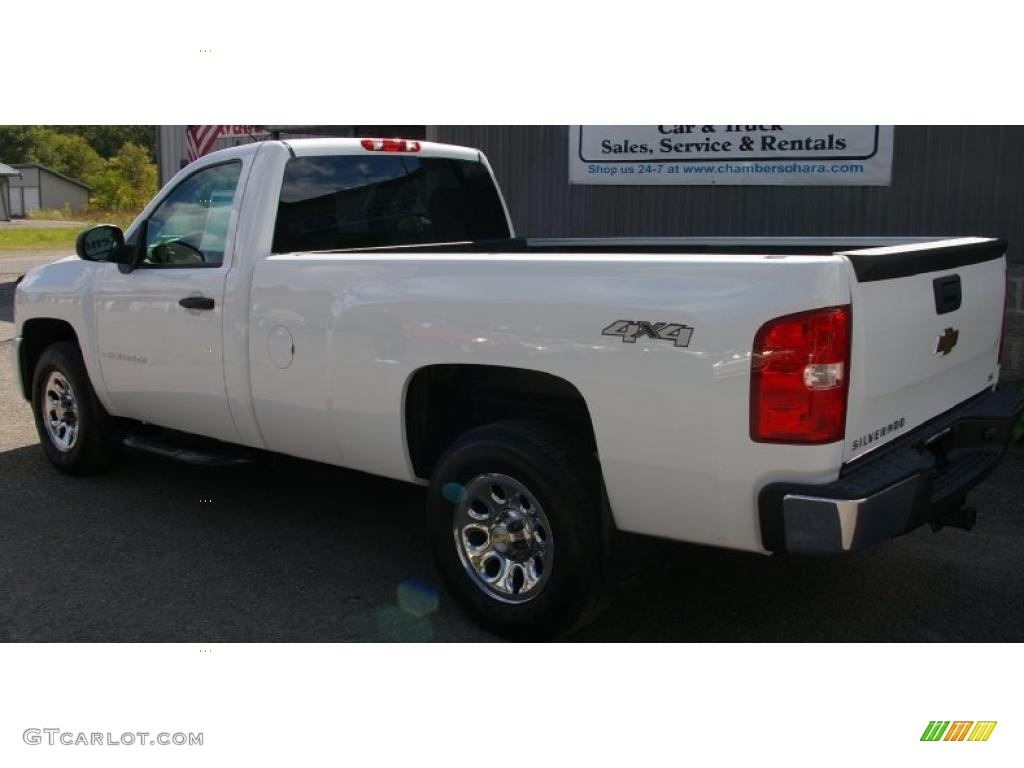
point(391, 145)
point(799, 377)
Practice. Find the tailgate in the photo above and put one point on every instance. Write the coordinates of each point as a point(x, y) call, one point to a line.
point(926, 324)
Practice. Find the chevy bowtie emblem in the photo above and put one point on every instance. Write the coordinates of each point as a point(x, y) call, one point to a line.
point(945, 343)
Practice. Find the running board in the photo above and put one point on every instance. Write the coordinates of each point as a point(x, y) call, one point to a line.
point(168, 450)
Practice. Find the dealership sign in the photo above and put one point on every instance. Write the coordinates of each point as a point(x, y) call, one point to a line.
point(731, 154)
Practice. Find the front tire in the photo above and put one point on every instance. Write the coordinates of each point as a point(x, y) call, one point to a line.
point(77, 435)
point(516, 528)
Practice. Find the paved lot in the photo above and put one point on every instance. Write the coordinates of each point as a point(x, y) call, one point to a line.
point(289, 550)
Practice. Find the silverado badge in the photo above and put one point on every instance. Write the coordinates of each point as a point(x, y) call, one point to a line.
point(945, 343)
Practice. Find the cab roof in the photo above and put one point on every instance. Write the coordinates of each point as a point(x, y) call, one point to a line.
point(313, 147)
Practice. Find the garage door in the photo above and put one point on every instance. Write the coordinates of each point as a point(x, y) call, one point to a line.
point(31, 199)
point(17, 206)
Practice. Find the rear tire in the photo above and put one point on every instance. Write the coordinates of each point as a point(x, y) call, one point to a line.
point(77, 435)
point(514, 516)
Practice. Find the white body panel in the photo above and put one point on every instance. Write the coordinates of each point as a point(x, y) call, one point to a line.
point(314, 351)
point(671, 423)
point(161, 363)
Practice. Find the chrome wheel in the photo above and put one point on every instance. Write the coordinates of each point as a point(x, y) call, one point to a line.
point(503, 537)
point(60, 412)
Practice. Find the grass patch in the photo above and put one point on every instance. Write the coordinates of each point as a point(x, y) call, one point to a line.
point(56, 214)
point(89, 215)
point(12, 239)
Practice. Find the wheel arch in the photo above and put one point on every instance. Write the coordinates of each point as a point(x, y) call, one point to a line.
point(444, 401)
point(37, 334)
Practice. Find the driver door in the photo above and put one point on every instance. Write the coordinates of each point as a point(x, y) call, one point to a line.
point(160, 327)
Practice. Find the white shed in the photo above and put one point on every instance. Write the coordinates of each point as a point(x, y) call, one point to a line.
point(37, 187)
point(6, 173)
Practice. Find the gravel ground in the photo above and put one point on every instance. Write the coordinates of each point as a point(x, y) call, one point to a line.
point(293, 551)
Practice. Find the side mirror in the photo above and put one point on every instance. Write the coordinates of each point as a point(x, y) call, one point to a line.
point(102, 243)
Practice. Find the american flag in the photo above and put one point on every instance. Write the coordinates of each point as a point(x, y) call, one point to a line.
point(199, 139)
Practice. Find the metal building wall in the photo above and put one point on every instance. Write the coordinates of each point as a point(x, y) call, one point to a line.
point(54, 192)
point(24, 192)
point(170, 150)
point(29, 177)
point(946, 180)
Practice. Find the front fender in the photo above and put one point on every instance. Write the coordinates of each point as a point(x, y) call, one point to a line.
point(61, 292)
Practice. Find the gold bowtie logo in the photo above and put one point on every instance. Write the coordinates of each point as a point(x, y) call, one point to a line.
point(945, 343)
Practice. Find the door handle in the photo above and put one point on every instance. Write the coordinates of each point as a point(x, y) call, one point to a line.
point(196, 302)
point(948, 294)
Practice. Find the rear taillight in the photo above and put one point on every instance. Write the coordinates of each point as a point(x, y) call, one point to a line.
point(391, 145)
point(799, 377)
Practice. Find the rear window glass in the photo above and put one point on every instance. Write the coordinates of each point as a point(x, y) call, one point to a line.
point(360, 201)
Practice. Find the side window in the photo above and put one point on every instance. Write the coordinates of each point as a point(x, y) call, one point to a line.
point(190, 227)
point(335, 202)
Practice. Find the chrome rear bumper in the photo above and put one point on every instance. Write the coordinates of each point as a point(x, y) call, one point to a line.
point(921, 478)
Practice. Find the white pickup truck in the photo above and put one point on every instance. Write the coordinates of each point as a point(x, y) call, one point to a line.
point(365, 303)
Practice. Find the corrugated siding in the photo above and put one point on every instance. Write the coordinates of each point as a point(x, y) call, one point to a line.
point(29, 178)
point(947, 180)
point(171, 152)
point(54, 192)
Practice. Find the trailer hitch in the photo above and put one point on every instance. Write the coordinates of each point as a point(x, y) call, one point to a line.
point(957, 516)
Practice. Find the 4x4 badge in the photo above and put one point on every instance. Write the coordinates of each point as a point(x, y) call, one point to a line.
point(945, 343)
point(631, 330)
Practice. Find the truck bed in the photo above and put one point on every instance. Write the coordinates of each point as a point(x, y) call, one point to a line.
point(873, 258)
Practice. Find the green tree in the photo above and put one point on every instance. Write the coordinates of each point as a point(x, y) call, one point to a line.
point(123, 180)
point(16, 141)
point(108, 139)
point(67, 154)
point(126, 182)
